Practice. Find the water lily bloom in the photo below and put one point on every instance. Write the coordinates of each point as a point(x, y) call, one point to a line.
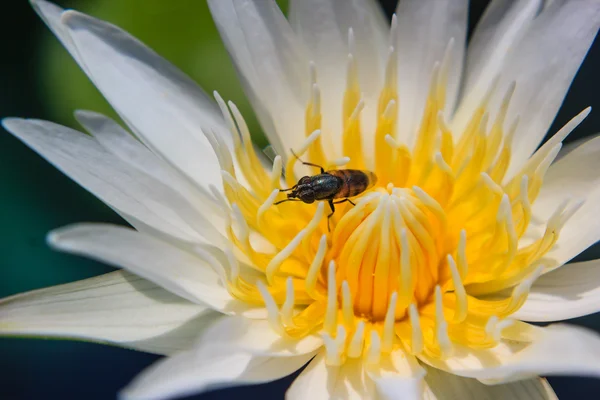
point(418, 288)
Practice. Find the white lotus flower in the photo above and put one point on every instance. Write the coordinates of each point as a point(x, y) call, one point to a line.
point(420, 289)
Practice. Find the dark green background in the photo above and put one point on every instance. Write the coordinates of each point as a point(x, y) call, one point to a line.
point(37, 79)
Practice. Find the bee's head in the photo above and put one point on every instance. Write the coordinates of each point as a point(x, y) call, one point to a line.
point(303, 191)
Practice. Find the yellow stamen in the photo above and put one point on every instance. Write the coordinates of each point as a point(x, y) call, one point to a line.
point(266, 206)
point(356, 343)
point(374, 352)
point(352, 107)
point(396, 270)
point(405, 278)
point(388, 325)
point(460, 313)
point(313, 117)
point(441, 326)
point(334, 347)
point(290, 177)
point(276, 172)
point(331, 312)
point(315, 268)
point(272, 309)
point(388, 113)
point(417, 333)
point(287, 309)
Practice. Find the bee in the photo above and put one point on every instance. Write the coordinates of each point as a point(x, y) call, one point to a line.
point(329, 186)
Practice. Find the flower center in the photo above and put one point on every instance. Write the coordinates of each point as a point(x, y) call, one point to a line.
point(441, 251)
point(390, 242)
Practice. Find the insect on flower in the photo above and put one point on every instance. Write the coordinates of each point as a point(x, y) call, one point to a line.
point(330, 185)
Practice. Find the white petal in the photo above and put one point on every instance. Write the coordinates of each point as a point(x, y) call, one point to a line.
point(165, 108)
point(323, 27)
point(124, 146)
point(122, 187)
point(51, 14)
point(558, 350)
point(543, 65)
point(208, 367)
point(569, 147)
point(501, 27)
point(398, 375)
point(272, 66)
point(117, 308)
point(571, 291)
point(580, 232)
point(319, 381)
point(444, 386)
point(257, 337)
point(574, 176)
point(172, 268)
point(425, 27)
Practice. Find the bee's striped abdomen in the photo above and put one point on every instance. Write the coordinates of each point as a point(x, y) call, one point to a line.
point(355, 181)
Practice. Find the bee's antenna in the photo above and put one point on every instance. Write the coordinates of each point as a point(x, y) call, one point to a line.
point(287, 190)
point(307, 163)
point(283, 201)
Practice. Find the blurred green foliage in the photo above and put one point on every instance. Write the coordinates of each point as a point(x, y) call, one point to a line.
point(182, 31)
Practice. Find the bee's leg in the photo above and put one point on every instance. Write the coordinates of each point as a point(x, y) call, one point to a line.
point(307, 163)
point(345, 200)
point(331, 205)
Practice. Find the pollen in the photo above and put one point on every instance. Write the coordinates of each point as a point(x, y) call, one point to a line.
point(439, 253)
